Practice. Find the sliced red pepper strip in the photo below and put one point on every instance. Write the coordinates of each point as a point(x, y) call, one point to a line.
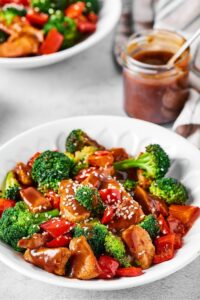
point(108, 266)
point(56, 227)
point(185, 213)
point(178, 242)
point(164, 228)
point(108, 215)
point(36, 18)
point(75, 10)
point(129, 272)
point(92, 17)
point(60, 241)
point(176, 226)
point(5, 204)
point(52, 43)
point(110, 196)
point(164, 248)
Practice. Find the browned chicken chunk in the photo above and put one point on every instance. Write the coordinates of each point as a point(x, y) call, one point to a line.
point(70, 209)
point(23, 173)
point(35, 201)
point(84, 263)
point(51, 260)
point(37, 240)
point(149, 203)
point(140, 245)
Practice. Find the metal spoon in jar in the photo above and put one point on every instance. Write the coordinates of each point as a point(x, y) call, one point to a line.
point(184, 47)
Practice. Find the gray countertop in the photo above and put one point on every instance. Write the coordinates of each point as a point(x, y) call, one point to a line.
point(84, 85)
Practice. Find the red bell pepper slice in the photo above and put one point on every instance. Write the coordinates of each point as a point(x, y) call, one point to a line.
point(164, 228)
point(32, 159)
point(54, 198)
point(20, 2)
point(108, 266)
point(176, 226)
point(129, 272)
point(108, 215)
point(110, 196)
point(75, 10)
point(52, 43)
point(56, 227)
point(92, 17)
point(60, 241)
point(5, 204)
point(164, 248)
point(178, 242)
point(185, 213)
point(86, 27)
point(36, 18)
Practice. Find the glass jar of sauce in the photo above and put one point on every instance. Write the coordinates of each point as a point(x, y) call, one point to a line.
point(154, 91)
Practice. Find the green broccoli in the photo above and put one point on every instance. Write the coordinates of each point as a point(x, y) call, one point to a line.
point(77, 139)
point(66, 26)
point(154, 161)
point(18, 222)
point(80, 158)
point(11, 187)
point(90, 199)
point(3, 36)
point(170, 190)
point(150, 224)
point(129, 185)
point(47, 6)
point(8, 13)
point(50, 168)
point(95, 234)
point(115, 247)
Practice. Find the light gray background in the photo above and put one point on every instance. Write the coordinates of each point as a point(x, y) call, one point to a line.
point(84, 85)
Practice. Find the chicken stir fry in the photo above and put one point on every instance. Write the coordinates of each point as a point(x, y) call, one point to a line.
point(93, 212)
point(39, 27)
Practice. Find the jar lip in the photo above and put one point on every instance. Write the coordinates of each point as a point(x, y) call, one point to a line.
point(148, 68)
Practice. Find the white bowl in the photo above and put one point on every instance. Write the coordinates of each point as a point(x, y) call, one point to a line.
point(111, 132)
point(109, 15)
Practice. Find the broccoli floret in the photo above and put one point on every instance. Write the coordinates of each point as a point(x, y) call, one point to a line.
point(150, 224)
point(50, 168)
point(154, 161)
point(66, 26)
point(95, 234)
point(78, 139)
point(80, 158)
point(9, 12)
point(170, 190)
point(129, 185)
point(11, 187)
point(47, 6)
point(115, 247)
point(90, 199)
point(18, 222)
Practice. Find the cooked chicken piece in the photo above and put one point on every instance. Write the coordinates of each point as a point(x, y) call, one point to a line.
point(23, 174)
point(128, 211)
point(140, 245)
point(24, 39)
point(119, 154)
point(84, 263)
point(143, 181)
point(149, 203)
point(35, 201)
point(37, 240)
point(51, 260)
point(70, 208)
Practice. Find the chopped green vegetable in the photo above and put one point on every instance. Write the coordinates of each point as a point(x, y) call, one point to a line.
point(11, 187)
point(150, 224)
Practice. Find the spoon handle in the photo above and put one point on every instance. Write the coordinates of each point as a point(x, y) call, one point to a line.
point(183, 48)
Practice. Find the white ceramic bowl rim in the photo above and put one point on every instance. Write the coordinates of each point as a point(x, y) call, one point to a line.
point(113, 131)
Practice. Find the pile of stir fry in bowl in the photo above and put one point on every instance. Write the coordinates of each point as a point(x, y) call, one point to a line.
point(92, 212)
point(39, 27)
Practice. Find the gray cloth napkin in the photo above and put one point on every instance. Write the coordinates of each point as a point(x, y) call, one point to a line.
point(179, 15)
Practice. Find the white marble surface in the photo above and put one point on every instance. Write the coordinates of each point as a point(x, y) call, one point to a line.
point(85, 84)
